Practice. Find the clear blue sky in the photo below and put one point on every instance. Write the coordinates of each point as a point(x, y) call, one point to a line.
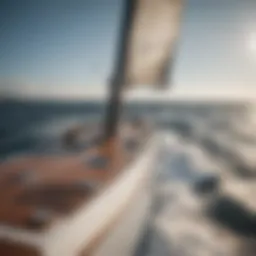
point(47, 43)
point(218, 45)
point(58, 41)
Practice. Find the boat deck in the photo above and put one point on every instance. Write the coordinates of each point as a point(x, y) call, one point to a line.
point(37, 190)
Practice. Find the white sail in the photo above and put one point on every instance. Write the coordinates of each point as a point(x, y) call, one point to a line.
point(152, 41)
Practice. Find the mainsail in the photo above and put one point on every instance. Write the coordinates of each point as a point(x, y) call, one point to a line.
point(145, 51)
point(152, 42)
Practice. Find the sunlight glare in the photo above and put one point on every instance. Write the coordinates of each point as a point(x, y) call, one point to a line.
point(252, 42)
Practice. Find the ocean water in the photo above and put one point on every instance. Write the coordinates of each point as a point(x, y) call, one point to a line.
point(221, 222)
point(27, 127)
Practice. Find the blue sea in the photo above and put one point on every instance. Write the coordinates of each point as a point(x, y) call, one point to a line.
point(37, 126)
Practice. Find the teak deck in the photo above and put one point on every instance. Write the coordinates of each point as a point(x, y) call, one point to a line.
point(36, 190)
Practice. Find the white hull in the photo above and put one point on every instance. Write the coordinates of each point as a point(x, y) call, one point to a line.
point(111, 224)
point(125, 235)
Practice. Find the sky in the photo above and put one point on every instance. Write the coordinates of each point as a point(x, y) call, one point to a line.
point(66, 47)
point(218, 47)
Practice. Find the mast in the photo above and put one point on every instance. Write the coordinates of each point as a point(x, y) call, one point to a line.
point(118, 78)
point(145, 52)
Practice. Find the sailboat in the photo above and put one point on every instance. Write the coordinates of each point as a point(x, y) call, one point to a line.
point(96, 202)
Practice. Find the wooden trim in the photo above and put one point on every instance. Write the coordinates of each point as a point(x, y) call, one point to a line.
point(8, 248)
